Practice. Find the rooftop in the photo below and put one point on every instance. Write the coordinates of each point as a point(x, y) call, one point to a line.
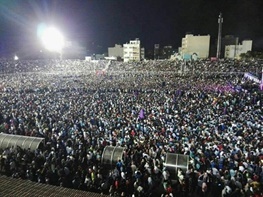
point(18, 187)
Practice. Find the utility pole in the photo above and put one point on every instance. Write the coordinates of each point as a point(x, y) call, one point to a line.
point(220, 22)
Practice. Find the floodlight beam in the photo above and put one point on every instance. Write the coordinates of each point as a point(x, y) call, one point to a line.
point(53, 40)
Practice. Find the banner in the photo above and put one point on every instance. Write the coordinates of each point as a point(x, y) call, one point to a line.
point(251, 77)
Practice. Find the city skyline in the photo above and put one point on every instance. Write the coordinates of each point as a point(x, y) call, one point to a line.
point(97, 25)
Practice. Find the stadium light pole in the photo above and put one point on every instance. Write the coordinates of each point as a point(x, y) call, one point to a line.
point(53, 40)
point(220, 21)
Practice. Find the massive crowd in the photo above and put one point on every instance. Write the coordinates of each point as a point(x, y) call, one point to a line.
point(206, 110)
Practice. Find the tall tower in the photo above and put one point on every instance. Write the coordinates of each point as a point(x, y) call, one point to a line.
point(220, 21)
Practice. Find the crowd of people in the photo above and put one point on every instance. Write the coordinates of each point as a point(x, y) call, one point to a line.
point(206, 110)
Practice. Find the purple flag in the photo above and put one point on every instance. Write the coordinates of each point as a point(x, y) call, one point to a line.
point(141, 114)
point(225, 110)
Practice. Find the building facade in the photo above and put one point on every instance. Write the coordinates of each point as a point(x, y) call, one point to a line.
point(156, 51)
point(228, 40)
point(142, 53)
point(164, 52)
point(234, 51)
point(116, 51)
point(195, 45)
point(167, 52)
point(132, 51)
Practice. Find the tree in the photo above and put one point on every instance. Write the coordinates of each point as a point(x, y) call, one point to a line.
point(251, 55)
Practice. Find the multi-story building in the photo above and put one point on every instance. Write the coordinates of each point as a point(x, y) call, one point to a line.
point(234, 51)
point(195, 45)
point(142, 53)
point(167, 52)
point(116, 51)
point(156, 51)
point(164, 52)
point(132, 51)
point(228, 40)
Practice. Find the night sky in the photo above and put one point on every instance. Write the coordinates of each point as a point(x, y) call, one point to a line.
point(99, 24)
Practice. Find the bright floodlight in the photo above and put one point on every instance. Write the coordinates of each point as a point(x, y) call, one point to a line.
point(16, 57)
point(52, 39)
